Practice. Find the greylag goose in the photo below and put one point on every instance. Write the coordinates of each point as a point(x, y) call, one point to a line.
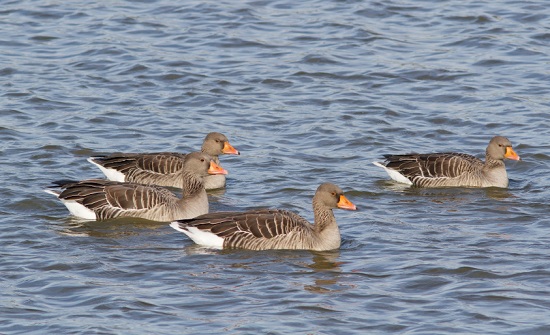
point(452, 169)
point(271, 228)
point(98, 199)
point(162, 168)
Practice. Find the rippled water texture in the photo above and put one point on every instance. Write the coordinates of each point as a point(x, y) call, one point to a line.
point(308, 91)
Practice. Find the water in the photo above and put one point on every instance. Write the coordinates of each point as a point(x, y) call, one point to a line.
point(308, 91)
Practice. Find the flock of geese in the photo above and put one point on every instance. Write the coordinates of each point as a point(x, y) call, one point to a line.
point(136, 188)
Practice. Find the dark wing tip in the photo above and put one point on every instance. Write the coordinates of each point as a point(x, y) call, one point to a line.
point(62, 183)
point(183, 221)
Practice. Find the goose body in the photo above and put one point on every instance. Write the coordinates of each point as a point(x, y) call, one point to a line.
point(98, 199)
point(452, 169)
point(271, 228)
point(162, 168)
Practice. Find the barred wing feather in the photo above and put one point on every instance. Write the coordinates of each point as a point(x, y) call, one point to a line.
point(437, 165)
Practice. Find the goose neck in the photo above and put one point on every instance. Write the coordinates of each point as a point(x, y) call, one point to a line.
point(323, 217)
point(192, 185)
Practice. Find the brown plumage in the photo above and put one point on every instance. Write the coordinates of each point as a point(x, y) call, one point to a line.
point(453, 169)
point(99, 199)
point(162, 168)
point(271, 228)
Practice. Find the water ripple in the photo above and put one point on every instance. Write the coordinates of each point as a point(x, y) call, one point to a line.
point(309, 92)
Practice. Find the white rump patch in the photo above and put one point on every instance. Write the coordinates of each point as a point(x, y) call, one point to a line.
point(395, 175)
point(111, 174)
point(200, 237)
point(75, 208)
point(79, 210)
point(52, 192)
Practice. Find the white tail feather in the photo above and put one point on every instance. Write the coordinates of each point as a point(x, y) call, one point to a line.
point(200, 237)
point(52, 192)
point(111, 174)
point(395, 175)
point(75, 208)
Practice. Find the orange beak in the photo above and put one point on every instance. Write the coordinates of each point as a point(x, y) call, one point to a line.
point(228, 149)
point(344, 203)
point(511, 154)
point(216, 169)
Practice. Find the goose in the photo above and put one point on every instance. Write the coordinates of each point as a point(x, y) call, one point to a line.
point(162, 168)
point(452, 169)
point(99, 199)
point(271, 228)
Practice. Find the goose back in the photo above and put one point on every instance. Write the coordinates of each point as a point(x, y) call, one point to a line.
point(255, 230)
point(162, 168)
point(452, 169)
point(111, 199)
point(437, 169)
point(271, 228)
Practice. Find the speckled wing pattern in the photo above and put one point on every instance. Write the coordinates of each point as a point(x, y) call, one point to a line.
point(433, 169)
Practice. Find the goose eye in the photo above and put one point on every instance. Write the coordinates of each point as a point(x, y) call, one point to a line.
point(202, 159)
point(333, 194)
